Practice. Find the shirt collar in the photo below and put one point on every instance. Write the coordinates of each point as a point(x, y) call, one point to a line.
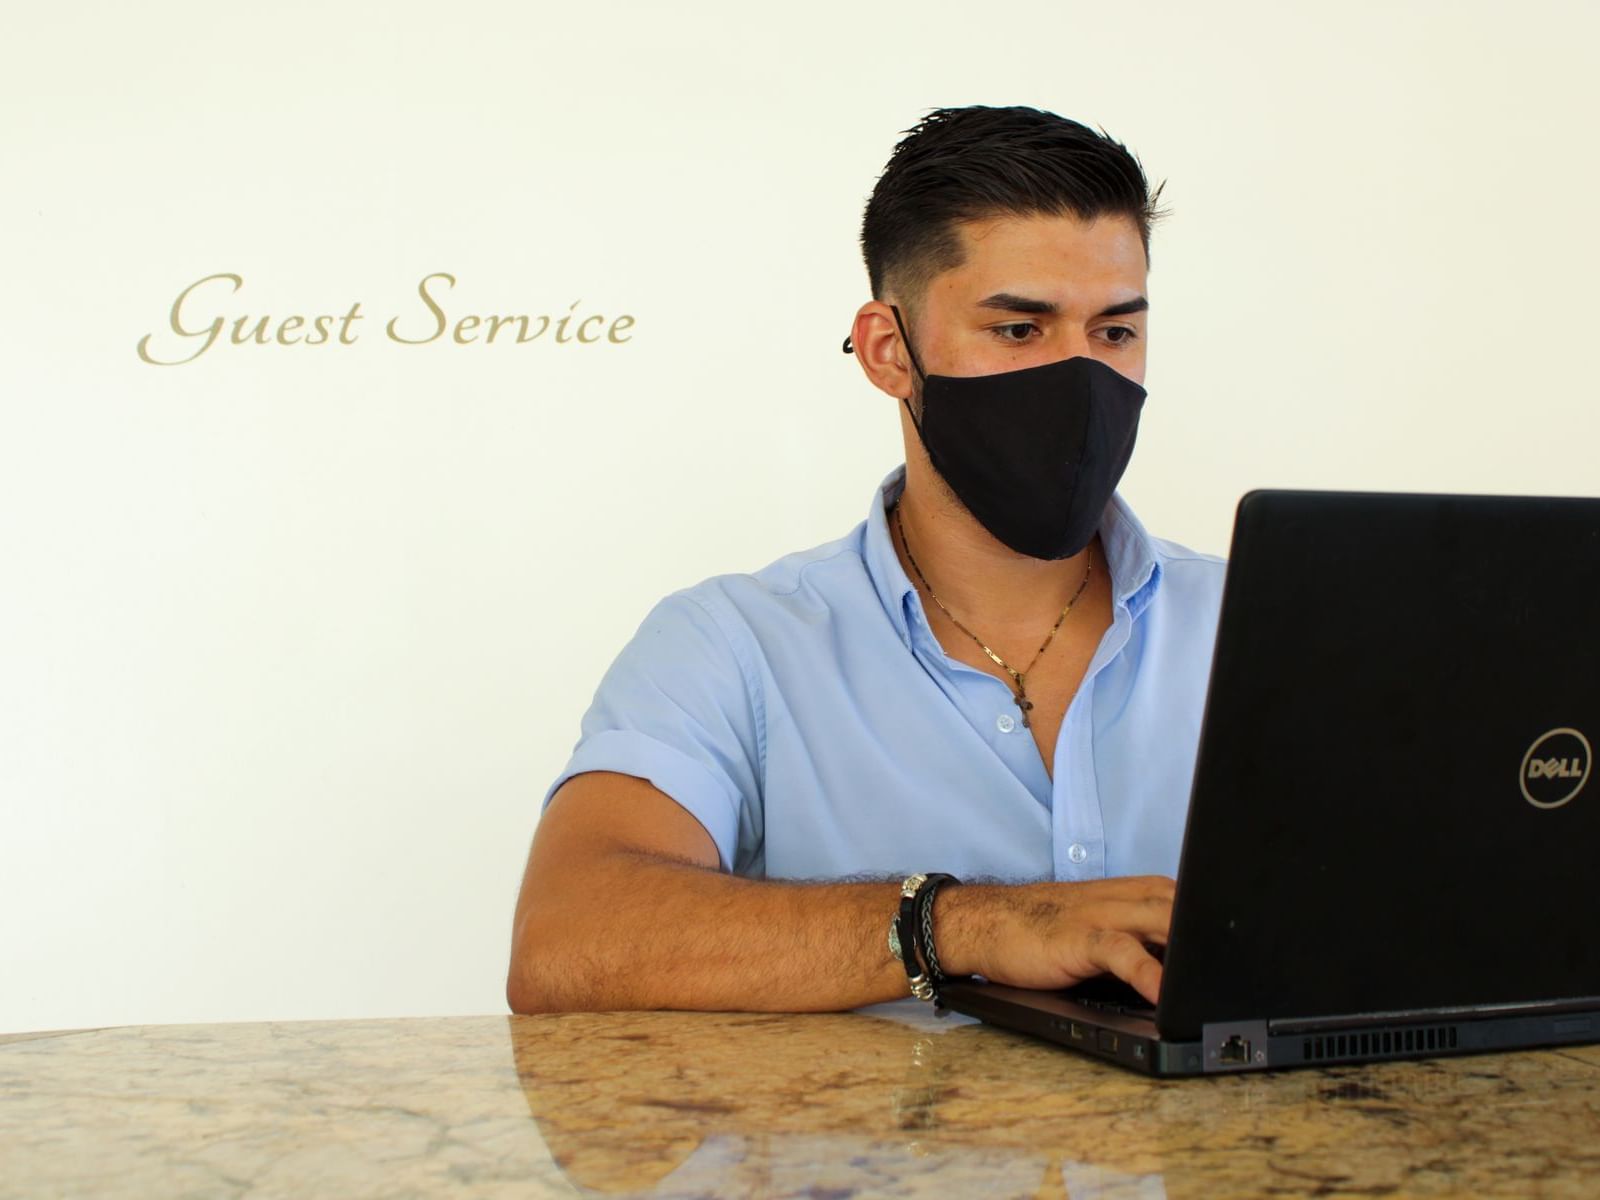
point(1134, 558)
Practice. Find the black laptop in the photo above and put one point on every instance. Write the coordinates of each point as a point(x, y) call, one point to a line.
point(1393, 841)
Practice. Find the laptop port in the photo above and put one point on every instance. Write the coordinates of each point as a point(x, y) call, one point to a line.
point(1235, 1045)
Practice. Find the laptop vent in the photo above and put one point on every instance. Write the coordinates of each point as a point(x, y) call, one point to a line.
point(1375, 1043)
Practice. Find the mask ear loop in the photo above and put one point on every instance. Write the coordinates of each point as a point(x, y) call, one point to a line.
point(849, 348)
point(906, 338)
point(916, 366)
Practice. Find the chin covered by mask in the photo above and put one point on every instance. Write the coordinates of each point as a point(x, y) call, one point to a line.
point(1034, 454)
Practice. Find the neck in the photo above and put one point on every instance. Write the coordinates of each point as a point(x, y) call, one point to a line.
point(998, 593)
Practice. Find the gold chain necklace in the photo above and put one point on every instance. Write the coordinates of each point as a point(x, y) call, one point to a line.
point(1020, 677)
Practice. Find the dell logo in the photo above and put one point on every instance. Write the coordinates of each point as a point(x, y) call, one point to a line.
point(1555, 768)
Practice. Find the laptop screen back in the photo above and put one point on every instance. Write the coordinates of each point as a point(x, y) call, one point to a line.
point(1394, 806)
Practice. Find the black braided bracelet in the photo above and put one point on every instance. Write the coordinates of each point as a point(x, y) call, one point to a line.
point(923, 931)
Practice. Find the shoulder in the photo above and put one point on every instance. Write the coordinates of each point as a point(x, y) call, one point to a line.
point(1182, 586)
point(1190, 579)
point(793, 587)
point(1186, 576)
point(1176, 557)
point(1188, 568)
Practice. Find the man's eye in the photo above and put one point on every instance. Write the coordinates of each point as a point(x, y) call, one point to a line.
point(1122, 341)
point(1018, 331)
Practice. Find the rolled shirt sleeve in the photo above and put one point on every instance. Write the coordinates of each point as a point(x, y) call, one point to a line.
point(680, 707)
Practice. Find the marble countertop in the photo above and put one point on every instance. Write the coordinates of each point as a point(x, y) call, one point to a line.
point(886, 1101)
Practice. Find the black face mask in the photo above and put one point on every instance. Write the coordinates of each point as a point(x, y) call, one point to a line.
point(1034, 454)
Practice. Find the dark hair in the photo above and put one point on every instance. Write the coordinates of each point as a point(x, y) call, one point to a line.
point(965, 164)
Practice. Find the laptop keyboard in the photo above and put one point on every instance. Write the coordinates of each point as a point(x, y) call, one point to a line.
point(1141, 1009)
point(1107, 993)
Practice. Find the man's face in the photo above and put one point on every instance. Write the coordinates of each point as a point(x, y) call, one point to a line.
point(1033, 290)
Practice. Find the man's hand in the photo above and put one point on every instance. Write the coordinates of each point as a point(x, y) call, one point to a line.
point(1054, 935)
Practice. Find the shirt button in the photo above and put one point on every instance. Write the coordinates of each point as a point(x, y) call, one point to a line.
point(1005, 723)
point(1077, 852)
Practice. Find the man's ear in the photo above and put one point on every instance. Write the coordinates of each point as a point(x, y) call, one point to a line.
point(881, 350)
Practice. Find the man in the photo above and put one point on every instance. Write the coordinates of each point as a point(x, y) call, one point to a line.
point(998, 675)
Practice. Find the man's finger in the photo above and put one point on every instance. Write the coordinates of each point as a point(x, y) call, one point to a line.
point(1133, 887)
point(1125, 957)
point(1146, 919)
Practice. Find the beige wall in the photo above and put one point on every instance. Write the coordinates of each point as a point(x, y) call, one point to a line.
point(292, 638)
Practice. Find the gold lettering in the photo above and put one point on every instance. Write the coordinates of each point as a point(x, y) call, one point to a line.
point(259, 333)
point(176, 320)
point(344, 324)
point(561, 325)
point(321, 335)
point(297, 330)
point(439, 321)
point(495, 323)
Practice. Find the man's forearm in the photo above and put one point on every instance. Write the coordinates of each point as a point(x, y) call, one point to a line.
point(650, 933)
point(627, 930)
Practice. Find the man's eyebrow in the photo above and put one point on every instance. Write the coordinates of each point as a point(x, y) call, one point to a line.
point(1006, 302)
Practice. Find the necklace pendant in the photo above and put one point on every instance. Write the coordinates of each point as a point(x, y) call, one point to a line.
point(1024, 704)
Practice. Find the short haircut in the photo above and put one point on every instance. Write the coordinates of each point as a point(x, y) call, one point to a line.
point(978, 162)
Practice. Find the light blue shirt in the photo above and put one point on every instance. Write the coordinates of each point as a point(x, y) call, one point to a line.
point(808, 718)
